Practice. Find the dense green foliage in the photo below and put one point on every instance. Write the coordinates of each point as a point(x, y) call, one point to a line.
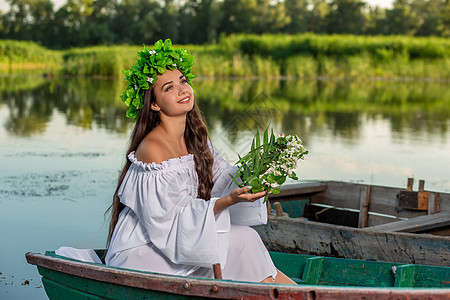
point(81, 23)
point(282, 46)
point(301, 55)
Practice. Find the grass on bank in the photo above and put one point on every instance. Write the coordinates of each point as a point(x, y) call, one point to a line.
point(23, 55)
point(300, 56)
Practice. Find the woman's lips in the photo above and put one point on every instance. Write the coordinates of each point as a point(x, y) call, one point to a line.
point(184, 100)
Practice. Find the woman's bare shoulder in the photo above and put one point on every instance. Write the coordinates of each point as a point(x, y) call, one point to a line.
point(151, 150)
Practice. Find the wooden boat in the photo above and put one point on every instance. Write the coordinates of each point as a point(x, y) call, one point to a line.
point(358, 221)
point(317, 278)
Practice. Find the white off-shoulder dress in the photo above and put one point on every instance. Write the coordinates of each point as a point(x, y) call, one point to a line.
point(165, 228)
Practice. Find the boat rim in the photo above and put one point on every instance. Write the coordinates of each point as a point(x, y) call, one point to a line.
point(213, 288)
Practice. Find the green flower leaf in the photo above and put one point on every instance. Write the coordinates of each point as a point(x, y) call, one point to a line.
point(280, 179)
point(276, 190)
point(253, 181)
point(270, 178)
point(257, 189)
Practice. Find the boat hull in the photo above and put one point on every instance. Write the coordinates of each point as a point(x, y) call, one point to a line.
point(71, 279)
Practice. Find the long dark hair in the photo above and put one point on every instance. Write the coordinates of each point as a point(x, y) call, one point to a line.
point(196, 138)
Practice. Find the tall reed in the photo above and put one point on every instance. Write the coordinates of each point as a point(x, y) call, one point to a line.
point(268, 55)
point(16, 55)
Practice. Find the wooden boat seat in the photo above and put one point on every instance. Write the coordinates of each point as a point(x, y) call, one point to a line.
point(416, 224)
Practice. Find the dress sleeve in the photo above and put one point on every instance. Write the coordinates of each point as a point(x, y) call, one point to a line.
point(182, 227)
point(244, 213)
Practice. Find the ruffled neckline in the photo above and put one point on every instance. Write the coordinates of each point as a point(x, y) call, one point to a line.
point(170, 163)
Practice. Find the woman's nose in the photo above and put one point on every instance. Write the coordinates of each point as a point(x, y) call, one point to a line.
point(182, 89)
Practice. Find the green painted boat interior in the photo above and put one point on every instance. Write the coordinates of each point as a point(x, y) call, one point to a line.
point(327, 271)
point(294, 208)
point(330, 271)
point(303, 208)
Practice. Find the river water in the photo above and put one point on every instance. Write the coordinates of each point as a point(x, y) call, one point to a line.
point(63, 142)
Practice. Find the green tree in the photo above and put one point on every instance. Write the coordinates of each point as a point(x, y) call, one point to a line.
point(316, 16)
point(71, 23)
point(270, 17)
point(346, 16)
point(429, 16)
point(28, 20)
point(376, 21)
point(297, 11)
point(199, 21)
point(136, 21)
point(238, 16)
point(445, 15)
point(401, 19)
point(167, 21)
point(99, 22)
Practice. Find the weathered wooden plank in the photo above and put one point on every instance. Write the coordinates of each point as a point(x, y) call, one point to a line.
point(99, 281)
point(404, 276)
point(353, 272)
point(291, 264)
point(364, 202)
point(376, 219)
point(421, 185)
point(313, 270)
point(217, 271)
point(426, 278)
point(278, 209)
point(433, 203)
point(409, 185)
point(299, 189)
point(413, 200)
point(383, 200)
point(314, 238)
point(416, 224)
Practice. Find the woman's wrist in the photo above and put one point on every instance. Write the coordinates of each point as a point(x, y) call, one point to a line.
point(230, 200)
point(223, 203)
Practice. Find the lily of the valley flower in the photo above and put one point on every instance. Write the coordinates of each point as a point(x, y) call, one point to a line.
point(269, 163)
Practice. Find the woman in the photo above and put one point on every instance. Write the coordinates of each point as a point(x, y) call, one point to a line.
point(172, 211)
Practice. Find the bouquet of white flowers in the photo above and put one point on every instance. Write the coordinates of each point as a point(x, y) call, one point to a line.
point(267, 165)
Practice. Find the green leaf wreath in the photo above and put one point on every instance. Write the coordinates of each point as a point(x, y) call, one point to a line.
point(151, 63)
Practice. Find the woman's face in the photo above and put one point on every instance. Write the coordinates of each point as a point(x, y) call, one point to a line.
point(174, 96)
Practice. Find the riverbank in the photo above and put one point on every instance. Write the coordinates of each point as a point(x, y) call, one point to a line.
point(306, 56)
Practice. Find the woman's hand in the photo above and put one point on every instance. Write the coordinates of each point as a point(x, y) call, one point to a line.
point(236, 196)
point(244, 195)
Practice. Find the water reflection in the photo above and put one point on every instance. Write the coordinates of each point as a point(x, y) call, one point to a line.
point(322, 107)
point(63, 143)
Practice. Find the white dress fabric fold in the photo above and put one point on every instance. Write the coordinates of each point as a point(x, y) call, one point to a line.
point(165, 228)
point(86, 255)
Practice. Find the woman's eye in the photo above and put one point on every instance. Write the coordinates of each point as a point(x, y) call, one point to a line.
point(169, 88)
point(184, 81)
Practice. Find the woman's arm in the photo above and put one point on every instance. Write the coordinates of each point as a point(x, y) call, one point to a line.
point(236, 196)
